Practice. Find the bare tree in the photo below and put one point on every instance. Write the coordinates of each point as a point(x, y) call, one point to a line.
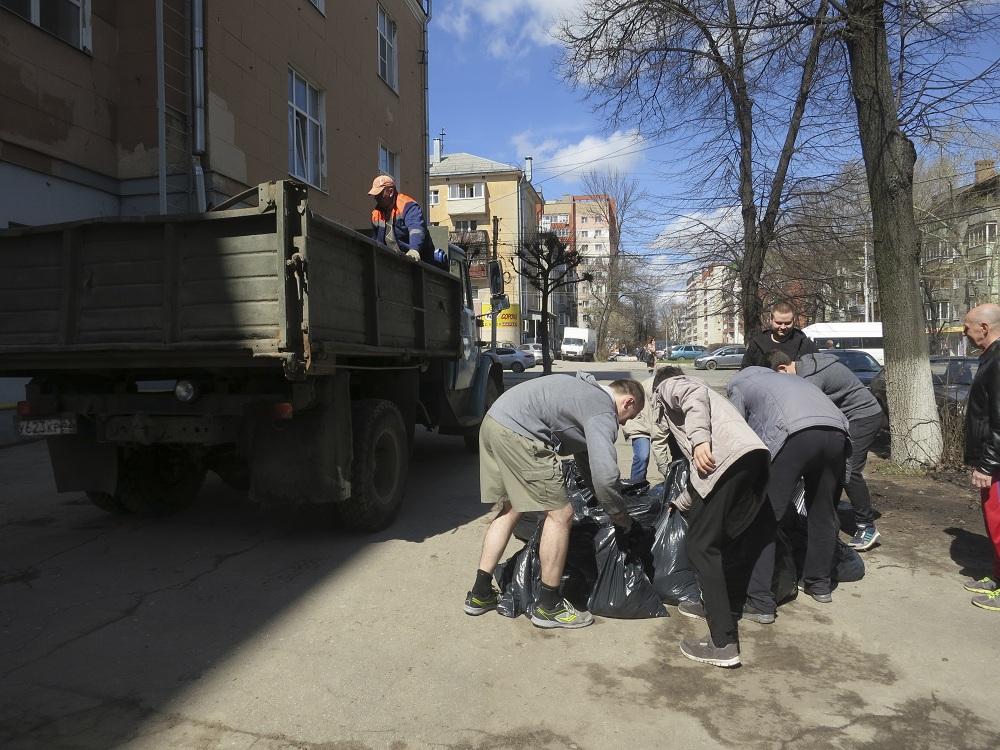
point(547, 266)
point(621, 204)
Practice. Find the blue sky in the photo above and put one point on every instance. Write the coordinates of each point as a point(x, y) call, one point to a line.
point(494, 92)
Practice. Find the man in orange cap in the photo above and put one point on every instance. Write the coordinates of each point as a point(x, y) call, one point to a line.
point(398, 222)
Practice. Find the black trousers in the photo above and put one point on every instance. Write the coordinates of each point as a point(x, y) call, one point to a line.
point(863, 434)
point(818, 455)
point(706, 537)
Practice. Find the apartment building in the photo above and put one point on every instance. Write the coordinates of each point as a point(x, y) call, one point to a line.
point(713, 314)
point(467, 193)
point(586, 224)
point(125, 107)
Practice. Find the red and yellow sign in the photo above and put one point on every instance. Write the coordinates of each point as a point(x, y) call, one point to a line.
point(508, 321)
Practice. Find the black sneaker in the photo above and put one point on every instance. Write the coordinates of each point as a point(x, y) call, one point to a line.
point(758, 616)
point(694, 610)
point(565, 615)
point(480, 605)
point(708, 653)
point(821, 597)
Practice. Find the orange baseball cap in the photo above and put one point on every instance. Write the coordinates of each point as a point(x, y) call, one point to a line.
point(381, 182)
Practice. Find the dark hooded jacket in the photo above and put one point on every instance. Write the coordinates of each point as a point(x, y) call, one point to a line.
point(794, 346)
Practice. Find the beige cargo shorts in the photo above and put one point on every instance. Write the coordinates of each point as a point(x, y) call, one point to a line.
point(515, 468)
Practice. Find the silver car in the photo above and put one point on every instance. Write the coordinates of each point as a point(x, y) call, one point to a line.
point(536, 349)
point(726, 356)
point(514, 359)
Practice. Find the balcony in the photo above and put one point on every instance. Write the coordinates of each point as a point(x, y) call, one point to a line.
point(467, 206)
point(475, 243)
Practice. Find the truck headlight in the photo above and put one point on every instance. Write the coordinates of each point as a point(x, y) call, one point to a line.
point(186, 391)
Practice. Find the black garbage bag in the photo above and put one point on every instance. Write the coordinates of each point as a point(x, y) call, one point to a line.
point(673, 578)
point(622, 588)
point(847, 564)
point(519, 578)
point(580, 572)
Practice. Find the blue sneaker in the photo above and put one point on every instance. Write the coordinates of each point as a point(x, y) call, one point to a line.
point(864, 538)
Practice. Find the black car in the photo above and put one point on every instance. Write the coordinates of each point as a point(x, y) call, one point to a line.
point(952, 378)
point(862, 364)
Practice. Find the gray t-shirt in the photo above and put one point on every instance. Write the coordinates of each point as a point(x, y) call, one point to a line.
point(573, 416)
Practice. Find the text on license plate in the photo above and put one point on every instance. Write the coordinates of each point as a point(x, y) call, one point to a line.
point(53, 426)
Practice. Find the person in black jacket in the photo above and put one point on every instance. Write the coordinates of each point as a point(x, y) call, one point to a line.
point(982, 440)
point(782, 335)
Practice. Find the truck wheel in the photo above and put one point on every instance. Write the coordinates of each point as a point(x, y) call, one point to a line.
point(157, 481)
point(516, 367)
point(107, 502)
point(472, 437)
point(381, 462)
point(711, 364)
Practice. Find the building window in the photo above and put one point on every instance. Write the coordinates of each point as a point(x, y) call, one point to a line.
point(583, 219)
point(584, 233)
point(67, 19)
point(386, 48)
point(598, 232)
point(435, 197)
point(598, 248)
point(306, 141)
point(388, 162)
point(465, 190)
point(584, 248)
point(465, 225)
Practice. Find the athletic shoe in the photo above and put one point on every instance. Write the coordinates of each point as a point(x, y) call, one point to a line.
point(694, 610)
point(988, 601)
point(865, 538)
point(822, 598)
point(480, 605)
point(708, 653)
point(565, 615)
point(985, 585)
point(753, 614)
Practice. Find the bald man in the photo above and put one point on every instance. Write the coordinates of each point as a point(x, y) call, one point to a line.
point(982, 440)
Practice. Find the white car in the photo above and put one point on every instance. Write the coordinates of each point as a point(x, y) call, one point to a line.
point(537, 350)
point(514, 359)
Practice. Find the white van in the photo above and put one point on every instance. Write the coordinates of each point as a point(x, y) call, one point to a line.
point(864, 336)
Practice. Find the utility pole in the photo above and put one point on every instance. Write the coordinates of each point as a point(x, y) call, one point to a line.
point(494, 313)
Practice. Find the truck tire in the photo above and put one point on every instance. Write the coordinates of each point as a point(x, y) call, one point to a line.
point(381, 463)
point(157, 481)
point(472, 437)
point(107, 502)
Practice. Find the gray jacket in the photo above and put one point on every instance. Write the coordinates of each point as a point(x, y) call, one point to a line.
point(833, 377)
point(776, 406)
point(572, 416)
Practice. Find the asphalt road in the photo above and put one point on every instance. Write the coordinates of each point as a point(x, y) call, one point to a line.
point(223, 627)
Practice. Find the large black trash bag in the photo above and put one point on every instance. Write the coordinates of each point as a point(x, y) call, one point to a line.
point(673, 578)
point(622, 588)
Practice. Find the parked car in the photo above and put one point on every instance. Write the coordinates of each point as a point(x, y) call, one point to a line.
point(537, 350)
point(861, 363)
point(515, 360)
point(726, 356)
point(688, 351)
point(951, 377)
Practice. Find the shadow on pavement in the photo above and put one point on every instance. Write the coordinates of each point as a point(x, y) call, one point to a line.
point(972, 551)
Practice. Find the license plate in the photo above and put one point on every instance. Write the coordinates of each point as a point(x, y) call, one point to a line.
point(53, 426)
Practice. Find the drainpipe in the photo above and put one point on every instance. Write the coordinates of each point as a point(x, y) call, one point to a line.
point(198, 101)
point(161, 110)
point(427, 109)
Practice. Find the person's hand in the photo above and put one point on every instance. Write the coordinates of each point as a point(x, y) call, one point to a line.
point(980, 480)
point(636, 543)
point(413, 255)
point(704, 462)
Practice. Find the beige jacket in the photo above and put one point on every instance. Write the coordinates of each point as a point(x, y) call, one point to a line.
point(696, 414)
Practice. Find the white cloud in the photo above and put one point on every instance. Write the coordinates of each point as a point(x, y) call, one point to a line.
point(556, 157)
point(508, 27)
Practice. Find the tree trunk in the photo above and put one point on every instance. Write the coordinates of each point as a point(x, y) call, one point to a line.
point(889, 159)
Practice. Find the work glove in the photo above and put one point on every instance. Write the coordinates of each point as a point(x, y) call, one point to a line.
point(413, 255)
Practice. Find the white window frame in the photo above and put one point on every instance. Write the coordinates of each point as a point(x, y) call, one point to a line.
point(435, 198)
point(387, 48)
point(466, 225)
point(466, 190)
point(388, 162)
point(84, 29)
point(305, 119)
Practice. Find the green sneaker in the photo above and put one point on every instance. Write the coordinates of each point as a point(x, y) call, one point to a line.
point(988, 601)
point(565, 615)
point(986, 585)
point(475, 605)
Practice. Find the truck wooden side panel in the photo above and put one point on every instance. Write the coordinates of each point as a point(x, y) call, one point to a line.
point(270, 282)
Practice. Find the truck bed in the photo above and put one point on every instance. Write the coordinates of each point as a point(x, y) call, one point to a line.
point(246, 287)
